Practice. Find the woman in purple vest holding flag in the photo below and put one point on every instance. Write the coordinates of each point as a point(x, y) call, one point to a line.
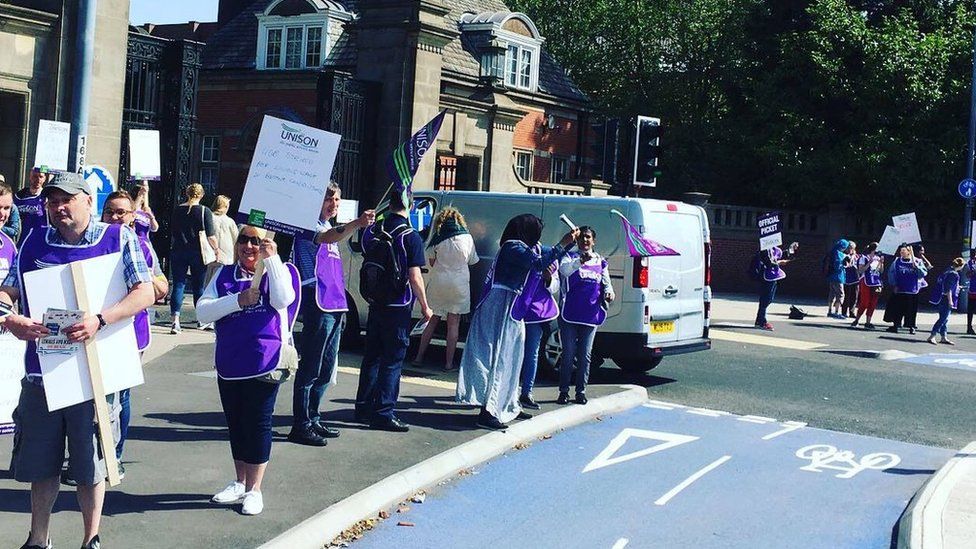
point(904, 276)
point(489, 372)
point(253, 325)
point(585, 288)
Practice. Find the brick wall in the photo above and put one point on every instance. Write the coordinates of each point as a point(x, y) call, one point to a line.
point(531, 133)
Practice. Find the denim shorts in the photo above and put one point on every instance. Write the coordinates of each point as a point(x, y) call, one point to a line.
point(40, 436)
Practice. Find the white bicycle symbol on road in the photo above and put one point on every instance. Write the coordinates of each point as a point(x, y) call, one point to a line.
point(969, 362)
point(825, 456)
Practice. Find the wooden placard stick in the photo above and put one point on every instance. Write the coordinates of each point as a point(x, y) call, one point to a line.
point(259, 267)
point(105, 439)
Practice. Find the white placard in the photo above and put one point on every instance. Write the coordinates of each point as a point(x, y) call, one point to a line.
point(348, 211)
point(290, 173)
point(771, 241)
point(11, 372)
point(66, 378)
point(144, 155)
point(907, 227)
point(890, 240)
point(51, 153)
point(972, 237)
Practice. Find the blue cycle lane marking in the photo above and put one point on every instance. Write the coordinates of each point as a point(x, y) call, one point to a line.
point(666, 475)
point(955, 361)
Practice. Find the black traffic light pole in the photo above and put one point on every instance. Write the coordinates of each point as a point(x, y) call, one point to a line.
point(970, 154)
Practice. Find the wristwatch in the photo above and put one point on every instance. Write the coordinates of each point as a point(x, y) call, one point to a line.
point(101, 321)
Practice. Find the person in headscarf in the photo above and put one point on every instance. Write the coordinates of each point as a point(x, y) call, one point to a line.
point(836, 265)
point(490, 365)
point(450, 254)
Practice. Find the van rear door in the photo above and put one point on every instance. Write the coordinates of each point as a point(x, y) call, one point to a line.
point(676, 283)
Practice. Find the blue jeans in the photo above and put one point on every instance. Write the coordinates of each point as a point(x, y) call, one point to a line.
point(319, 348)
point(577, 341)
point(124, 415)
point(248, 406)
point(530, 360)
point(941, 326)
point(767, 293)
point(387, 339)
point(180, 261)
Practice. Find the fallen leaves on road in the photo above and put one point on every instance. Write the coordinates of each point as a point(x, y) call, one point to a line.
point(419, 497)
point(546, 437)
point(405, 523)
point(403, 508)
point(465, 472)
point(522, 445)
point(384, 515)
point(353, 533)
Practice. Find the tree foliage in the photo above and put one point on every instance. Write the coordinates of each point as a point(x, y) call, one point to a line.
point(783, 103)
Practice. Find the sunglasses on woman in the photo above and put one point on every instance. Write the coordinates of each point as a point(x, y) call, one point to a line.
point(252, 240)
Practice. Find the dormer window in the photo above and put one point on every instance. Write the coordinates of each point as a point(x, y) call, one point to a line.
point(518, 45)
point(293, 34)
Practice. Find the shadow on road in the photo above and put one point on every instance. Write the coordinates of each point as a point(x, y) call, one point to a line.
point(116, 503)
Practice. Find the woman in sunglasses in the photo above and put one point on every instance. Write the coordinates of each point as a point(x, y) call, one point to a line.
point(253, 324)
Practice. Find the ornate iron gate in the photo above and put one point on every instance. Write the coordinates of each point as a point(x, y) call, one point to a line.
point(348, 107)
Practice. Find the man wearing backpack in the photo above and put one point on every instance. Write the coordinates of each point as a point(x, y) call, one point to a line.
point(390, 280)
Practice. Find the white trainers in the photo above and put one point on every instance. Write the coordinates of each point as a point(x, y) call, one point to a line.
point(175, 328)
point(232, 494)
point(253, 503)
point(208, 326)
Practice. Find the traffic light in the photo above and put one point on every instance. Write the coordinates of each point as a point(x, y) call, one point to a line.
point(647, 167)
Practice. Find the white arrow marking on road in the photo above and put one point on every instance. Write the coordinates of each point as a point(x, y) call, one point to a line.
point(788, 426)
point(604, 459)
point(621, 543)
point(688, 481)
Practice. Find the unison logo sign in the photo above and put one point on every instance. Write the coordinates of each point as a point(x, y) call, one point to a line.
point(296, 136)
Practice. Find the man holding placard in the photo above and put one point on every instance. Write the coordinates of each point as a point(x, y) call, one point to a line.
point(38, 456)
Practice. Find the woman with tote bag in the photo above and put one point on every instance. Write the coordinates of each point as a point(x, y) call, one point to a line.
point(194, 247)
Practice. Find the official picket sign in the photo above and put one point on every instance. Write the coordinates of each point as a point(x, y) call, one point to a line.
point(907, 226)
point(890, 240)
point(770, 231)
point(51, 152)
point(290, 173)
point(144, 155)
point(66, 377)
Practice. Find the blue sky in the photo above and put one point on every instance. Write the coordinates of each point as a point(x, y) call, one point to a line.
point(171, 11)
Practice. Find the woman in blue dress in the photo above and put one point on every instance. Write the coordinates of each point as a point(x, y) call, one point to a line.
point(492, 359)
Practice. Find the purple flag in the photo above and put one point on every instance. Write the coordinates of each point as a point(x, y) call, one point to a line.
point(405, 160)
point(637, 245)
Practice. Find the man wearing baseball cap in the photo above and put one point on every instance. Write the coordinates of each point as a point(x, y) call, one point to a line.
point(73, 235)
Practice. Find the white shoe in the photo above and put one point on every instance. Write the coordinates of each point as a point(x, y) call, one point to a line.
point(208, 326)
point(253, 503)
point(175, 328)
point(232, 494)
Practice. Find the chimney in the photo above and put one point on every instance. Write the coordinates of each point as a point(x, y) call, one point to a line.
point(228, 9)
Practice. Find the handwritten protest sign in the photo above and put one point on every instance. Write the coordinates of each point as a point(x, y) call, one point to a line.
point(11, 372)
point(67, 380)
point(144, 155)
point(907, 227)
point(51, 153)
point(770, 231)
point(290, 173)
point(348, 211)
point(890, 240)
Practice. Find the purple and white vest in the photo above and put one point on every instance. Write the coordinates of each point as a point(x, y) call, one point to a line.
point(583, 295)
point(32, 214)
point(8, 254)
point(871, 276)
point(142, 225)
point(141, 320)
point(249, 341)
point(905, 277)
point(36, 254)
point(330, 284)
point(773, 272)
point(534, 304)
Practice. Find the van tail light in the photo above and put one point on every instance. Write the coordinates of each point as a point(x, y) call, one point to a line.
point(642, 272)
point(708, 264)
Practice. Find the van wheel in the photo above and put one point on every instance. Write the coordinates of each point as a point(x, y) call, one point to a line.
point(637, 364)
point(550, 353)
point(352, 337)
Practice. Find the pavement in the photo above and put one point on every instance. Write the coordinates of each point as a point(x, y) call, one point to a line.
point(806, 372)
point(672, 476)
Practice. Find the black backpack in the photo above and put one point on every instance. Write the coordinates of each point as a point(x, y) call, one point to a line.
point(382, 280)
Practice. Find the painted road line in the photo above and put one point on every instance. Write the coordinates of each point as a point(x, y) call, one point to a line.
point(956, 361)
point(663, 500)
point(767, 341)
point(788, 427)
point(757, 419)
point(661, 405)
point(435, 383)
point(708, 413)
point(621, 543)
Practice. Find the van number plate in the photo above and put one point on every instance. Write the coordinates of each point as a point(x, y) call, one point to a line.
point(662, 327)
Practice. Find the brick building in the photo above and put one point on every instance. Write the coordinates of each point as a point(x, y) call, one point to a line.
point(376, 70)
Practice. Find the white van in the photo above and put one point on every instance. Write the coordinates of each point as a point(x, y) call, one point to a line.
point(662, 303)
